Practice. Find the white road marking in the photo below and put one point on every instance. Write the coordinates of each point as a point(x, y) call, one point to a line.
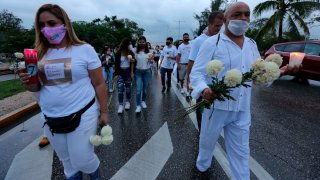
point(147, 163)
point(31, 163)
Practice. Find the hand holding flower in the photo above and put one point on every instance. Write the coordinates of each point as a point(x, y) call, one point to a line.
point(106, 137)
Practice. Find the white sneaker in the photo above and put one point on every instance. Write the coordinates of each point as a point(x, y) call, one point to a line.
point(110, 90)
point(138, 110)
point(127, 106)
point(182, 91)
point(120, 109)
point(143, 104)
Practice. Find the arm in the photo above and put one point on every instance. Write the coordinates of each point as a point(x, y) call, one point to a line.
point(100, 87)
point(198, 73)
point(190, 64)
point(178, 60)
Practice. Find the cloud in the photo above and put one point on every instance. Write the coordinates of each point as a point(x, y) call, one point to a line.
point(159, 18)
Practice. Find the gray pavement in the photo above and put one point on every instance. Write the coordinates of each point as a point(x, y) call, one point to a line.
point(284, 137)
point(8, 77)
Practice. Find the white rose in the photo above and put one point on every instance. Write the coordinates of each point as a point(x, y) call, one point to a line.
point(106, 130)
point(150, 55)
point(129, 57)
point(272, 70)
point(107, 140)
point(276, 58)
point(214, 67)
point(95, 140)
point(233, 78)
point(18, 55)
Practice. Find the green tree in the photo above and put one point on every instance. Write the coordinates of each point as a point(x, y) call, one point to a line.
point(108, 31)
point(13, 37)
point(291, 12)
point(9, 21)
point(202, 18)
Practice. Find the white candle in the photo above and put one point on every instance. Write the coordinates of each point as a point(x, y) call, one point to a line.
point(296, 59)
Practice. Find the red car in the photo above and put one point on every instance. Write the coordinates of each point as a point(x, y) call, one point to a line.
point(311, 61)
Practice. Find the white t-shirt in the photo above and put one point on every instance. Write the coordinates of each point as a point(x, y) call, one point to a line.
point(124, 62)
point(169, 57)
point(66, 86)
point(184, 51)
point(142, 61)
point(195, 46)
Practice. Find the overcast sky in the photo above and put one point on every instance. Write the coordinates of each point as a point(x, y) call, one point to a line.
point(159, 18)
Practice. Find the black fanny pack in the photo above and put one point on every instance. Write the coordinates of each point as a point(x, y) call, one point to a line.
point(68, 123)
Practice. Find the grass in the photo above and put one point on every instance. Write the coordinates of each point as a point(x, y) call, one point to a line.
point(10, 88)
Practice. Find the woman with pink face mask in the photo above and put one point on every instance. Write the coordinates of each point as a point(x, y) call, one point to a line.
point(73, 97)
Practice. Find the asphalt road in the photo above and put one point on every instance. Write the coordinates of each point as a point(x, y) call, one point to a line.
point(284, 136)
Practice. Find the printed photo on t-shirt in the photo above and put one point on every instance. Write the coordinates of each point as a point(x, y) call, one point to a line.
point(55, 72)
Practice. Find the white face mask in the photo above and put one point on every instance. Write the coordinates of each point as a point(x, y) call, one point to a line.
point(130, 47)
point(238, 27)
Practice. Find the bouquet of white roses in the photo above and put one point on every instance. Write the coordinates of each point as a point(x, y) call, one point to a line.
point(104, 138)
point(261, 73)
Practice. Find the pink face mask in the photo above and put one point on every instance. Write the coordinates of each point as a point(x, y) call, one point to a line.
point(54, 34)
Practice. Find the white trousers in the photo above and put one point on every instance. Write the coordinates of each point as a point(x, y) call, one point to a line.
point(74, 148)
point(236, 126)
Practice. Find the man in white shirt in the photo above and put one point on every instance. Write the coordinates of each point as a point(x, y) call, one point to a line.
point(182, 59)
point(234, 50)
point(167, 60)
point(215, 22)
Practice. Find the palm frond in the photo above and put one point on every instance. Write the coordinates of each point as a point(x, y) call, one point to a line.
point(304, 8)
point(300, 21)
point(292, 28)
point(265, 6)
point(269, 25)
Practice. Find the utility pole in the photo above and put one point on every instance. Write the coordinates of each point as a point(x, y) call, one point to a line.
point(179, 21)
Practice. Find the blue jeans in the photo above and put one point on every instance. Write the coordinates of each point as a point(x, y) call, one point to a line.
point(124, 83)
point(163, 72)
point(142, 80)
point(109, 76)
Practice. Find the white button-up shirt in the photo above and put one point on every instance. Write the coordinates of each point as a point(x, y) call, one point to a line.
point(232, 56)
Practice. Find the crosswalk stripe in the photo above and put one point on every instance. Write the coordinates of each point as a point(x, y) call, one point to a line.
point(148, 161)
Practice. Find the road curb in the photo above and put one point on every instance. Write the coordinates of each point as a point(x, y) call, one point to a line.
point(17, 114)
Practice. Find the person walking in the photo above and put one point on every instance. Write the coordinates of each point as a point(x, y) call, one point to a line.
point(215, 22)
point(182, 60)
point(167, 60)
point(71, 80)
point(144, 60)
point(123, 67)
point(237, 51)
point(109, 68)
point(156, 55)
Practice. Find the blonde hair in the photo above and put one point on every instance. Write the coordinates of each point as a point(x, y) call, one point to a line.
point(42, 45)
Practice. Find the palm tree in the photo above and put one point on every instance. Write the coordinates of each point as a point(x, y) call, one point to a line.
point(291, 12)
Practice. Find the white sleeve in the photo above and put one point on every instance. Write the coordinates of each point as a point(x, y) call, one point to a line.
point(92, 58)
point(198, 76)
point(175, 51)
point(194, 51)
point(179, 49)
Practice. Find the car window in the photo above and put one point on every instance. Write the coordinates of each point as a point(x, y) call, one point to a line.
point(280, 47)
point(298, 47)
point(312, 49)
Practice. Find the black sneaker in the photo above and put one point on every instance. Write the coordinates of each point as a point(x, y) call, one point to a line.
point(168, 89)
point(163, 89)
point(202, 175)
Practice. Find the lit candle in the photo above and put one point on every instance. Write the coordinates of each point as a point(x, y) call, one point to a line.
point(296, 58)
